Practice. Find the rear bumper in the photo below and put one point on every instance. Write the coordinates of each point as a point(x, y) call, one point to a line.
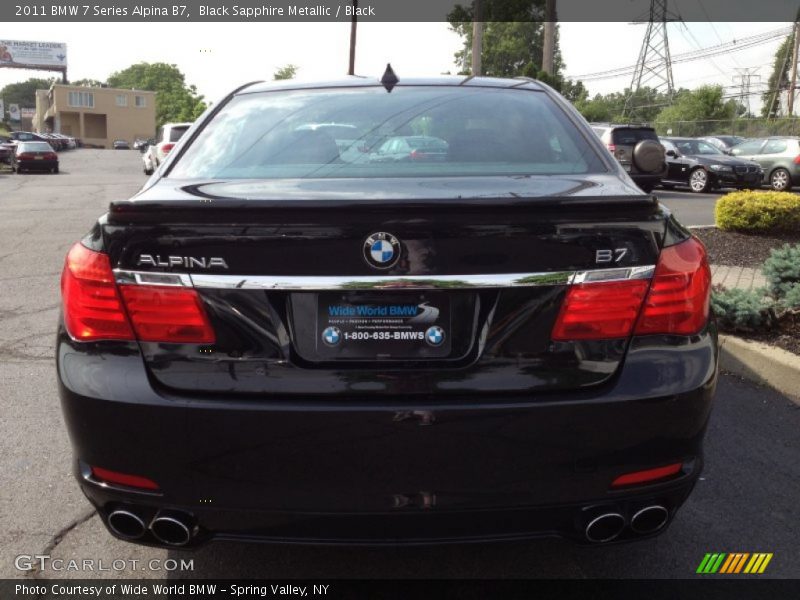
point(43, 165)
point(396, 469)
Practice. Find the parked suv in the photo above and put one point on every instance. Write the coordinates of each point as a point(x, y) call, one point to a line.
point(166, 138)
point(778, 156)
point(638, 150)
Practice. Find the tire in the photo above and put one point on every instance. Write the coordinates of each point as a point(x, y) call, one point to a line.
point(699, 181)
point(148, 171)
point(646, 187)
point(55, 170)
point(780, 180)
point(648, 156)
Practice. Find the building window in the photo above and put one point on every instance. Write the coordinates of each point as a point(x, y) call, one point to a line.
point(140, 101)
point(122, 100)
point(81, 99)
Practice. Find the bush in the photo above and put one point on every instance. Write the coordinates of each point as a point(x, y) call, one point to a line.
point(782, 269)
point(758, 211)
point(792, 297)
point(742, 309)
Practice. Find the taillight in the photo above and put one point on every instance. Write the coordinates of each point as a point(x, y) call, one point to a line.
point(676, 301)
point(95, 308)
point(167, 147)
point(25, 156)
point(679, 297)
point(796, 160)
point(92, 306)
point(167, 314)
point(612, 148)
point(596, 311)
point(51, 156)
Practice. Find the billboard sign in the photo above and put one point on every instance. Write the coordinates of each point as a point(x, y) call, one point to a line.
point(27, 113)
point(16, 53)
point(2, 110)
point(13, 112)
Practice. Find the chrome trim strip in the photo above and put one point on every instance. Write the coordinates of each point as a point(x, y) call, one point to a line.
point(411, 282)
point(378, 282)
point(601, 275)
point(123, 277)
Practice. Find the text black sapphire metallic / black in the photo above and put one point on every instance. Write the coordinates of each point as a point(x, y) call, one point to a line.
point(249, 346)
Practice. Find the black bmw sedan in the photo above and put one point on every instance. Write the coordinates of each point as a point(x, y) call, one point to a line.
point(704, 167)
point(280, 339)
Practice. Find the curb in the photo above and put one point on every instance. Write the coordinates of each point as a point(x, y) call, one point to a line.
point(761, 363)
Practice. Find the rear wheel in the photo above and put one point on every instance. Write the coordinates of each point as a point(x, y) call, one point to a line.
point(780, 180)
point(55, 169)
point(699, 181)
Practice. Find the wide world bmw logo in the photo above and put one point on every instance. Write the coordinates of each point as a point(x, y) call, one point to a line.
point(382, 250)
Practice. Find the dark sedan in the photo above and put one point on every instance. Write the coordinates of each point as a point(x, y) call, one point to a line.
point(34, 156)
point(703, 167)
point(276, 340)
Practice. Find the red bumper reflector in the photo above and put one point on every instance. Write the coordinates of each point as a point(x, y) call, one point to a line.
point(647, 476)
point(123, 479)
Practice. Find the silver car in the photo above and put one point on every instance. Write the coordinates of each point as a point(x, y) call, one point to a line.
point(778, 156)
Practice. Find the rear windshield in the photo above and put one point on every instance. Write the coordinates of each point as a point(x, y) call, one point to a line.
point(35, 147)
point(175, 133)
point(633, 136)
point(412, 131)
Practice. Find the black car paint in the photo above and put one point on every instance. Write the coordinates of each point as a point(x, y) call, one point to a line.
point(745, 174)
point(518, 437)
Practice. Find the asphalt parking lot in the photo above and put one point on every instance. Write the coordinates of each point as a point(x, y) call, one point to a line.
point(746, 501)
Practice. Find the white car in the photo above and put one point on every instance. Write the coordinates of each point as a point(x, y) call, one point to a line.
point(166, 138)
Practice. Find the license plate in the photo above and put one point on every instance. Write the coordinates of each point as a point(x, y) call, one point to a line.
point(38, 158)
point(376, 326)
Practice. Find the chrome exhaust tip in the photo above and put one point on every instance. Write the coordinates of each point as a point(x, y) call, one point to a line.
point(605, 527)
point(126, 524)
point(649, 519)
point(172, 529)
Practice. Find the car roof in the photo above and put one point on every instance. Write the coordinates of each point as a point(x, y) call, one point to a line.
point(364, 82)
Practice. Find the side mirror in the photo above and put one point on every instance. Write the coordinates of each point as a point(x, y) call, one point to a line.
point(672, 153)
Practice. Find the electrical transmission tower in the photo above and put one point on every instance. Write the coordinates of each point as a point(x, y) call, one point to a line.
point(743, 77)
point(654, 67)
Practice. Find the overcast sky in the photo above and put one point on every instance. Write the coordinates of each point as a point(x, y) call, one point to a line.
point(217, 57)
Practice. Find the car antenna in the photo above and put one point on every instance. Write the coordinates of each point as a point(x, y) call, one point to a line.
point(389, 79)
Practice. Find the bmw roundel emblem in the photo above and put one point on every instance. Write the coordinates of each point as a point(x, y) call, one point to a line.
point(434, 335)
point(331, 336)
point(382, 250)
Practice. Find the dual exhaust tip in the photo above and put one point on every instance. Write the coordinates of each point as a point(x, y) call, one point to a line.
point(609, 525)
point(168, 527)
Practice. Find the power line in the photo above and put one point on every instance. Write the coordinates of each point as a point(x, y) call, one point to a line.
point(731, 46)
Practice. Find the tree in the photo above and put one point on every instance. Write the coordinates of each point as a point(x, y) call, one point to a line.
point(705, 103)
point(175, 101)
point(512, 38)
point(285, 72)
point(778, 80)
point(609, 108)
point(24, 93)
point(89, 83)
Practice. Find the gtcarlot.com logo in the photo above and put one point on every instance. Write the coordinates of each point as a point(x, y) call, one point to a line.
point(734, 563)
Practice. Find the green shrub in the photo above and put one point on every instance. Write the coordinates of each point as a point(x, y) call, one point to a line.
point(758, 211)
point(782, 269)
point(792, 298)
point(741, 309)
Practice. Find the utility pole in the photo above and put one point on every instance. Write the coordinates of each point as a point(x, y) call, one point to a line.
point(477, 37)
point(549, 44)
point(743, 78)
point(353, 23)
point(793, 83)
